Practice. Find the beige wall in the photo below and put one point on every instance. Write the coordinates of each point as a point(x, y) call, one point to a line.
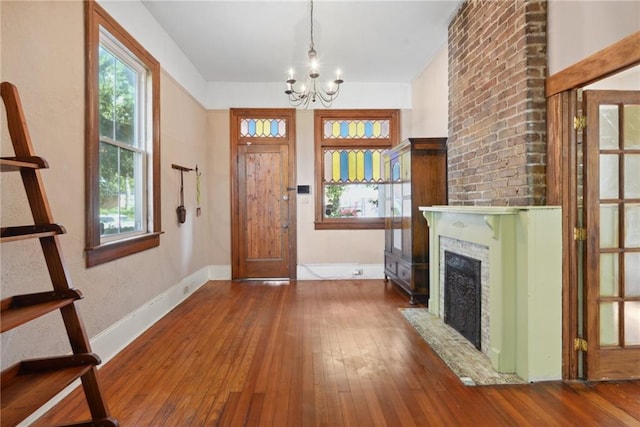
point(429, 95)
point(42, 53)
point(219, 187)
point(326, 246)
point(577, 29)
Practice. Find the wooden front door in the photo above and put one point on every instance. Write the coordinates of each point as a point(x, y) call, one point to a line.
point(263, 217)
point(612, 220)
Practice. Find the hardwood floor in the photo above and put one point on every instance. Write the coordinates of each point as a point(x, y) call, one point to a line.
point(319, 353)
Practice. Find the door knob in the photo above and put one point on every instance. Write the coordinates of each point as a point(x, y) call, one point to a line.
point(285, 197)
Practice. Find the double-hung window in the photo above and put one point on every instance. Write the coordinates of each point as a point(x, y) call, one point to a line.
point(350, 178)
point(123, 195)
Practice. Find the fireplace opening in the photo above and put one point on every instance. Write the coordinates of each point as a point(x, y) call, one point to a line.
point(462, 296)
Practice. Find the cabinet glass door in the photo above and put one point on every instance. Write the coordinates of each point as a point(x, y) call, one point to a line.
point(397, 207)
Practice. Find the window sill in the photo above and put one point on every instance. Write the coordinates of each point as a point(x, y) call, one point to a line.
point(374, 224)
point(121, 248)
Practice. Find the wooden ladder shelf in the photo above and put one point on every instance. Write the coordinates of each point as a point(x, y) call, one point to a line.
point(29, 384)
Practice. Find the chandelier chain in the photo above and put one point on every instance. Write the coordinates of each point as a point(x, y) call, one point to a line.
point(312, 44)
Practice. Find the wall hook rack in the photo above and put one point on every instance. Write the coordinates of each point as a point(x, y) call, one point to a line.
point(181, 211)
point(182, 168)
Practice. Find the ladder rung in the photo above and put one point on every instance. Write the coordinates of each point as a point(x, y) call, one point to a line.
point(98, 422)
point(10, 164)
point(20, 309)
point(30, 384)
point(10, 234)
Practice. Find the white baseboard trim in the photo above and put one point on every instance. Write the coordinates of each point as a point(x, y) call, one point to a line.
point(220, 272)
point(116, 337)
point(340, 271)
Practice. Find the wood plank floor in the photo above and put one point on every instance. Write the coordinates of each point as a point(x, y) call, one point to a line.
point(319, 353)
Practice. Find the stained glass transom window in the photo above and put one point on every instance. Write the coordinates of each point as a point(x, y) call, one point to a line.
point(263, 128)
point(356, 129)
point(353, 166)
point(350, 166)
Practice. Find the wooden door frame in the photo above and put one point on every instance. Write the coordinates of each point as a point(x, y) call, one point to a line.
point(234, 114)
point(561, 167)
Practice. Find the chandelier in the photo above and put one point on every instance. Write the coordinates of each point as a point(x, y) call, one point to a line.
point(312, 91)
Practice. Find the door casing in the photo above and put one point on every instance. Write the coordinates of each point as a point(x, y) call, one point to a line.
point(561, 167)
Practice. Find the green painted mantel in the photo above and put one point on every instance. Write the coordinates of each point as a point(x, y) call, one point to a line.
point(525, 280)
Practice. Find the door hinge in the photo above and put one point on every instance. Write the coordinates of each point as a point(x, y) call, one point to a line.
point(579, 122)
point(579, 233)
point(580, 344)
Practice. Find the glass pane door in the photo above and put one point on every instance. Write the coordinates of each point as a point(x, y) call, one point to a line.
point(612, 205)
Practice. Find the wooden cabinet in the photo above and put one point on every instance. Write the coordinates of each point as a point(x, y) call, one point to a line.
point(415, 175)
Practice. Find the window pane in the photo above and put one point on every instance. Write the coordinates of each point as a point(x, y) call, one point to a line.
point(632, 225)
point(609, 176)
point(608, 226)
point(120, 196)
point(117, 98)
point(632, 323)
point(632, 274)
point(632, 126)
point(632, 176)
point(109, 188)
point(609, 274)
point(130, 197)
point(609, 324)
point(397, 200)
point(352, 200)
point(124, 104)
point(106, 83)
point(609, 126)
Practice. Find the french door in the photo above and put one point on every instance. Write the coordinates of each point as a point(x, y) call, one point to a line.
point(612, 222)
point(263, 217)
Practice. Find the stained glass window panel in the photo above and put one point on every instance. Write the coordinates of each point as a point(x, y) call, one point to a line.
point(263, 128)
point(356, 129)
point(353, 166)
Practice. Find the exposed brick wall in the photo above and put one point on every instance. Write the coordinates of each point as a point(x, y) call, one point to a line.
point(497, 106)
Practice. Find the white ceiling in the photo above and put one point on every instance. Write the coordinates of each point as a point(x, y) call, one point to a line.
point(258, 41)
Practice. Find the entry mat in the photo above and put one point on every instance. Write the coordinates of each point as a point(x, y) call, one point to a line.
point(470, 365)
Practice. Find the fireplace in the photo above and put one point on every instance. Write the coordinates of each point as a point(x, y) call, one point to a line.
point(519, 255)
point(463, 296)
